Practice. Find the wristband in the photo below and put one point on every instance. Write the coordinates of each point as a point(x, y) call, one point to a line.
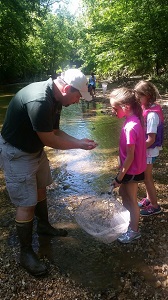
point(118, 181)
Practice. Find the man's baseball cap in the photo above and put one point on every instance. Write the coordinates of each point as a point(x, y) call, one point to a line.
point(78, 80)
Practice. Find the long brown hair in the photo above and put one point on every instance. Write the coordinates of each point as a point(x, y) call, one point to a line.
point(147, 88)
point(125, 95)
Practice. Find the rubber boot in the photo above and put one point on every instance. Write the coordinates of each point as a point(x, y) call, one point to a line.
point(43, 225)
point(28, 258)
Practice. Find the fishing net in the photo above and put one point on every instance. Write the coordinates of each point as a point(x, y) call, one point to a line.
point(105, 219)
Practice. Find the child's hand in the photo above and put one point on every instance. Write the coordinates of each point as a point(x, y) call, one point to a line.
point(116, 183)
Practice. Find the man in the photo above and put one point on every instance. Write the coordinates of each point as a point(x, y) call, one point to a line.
point(32, 122)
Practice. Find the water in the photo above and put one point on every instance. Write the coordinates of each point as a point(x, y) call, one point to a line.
point(78, 174)
point(88, 170)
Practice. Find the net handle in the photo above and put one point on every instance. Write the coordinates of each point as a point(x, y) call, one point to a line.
point(111, 190)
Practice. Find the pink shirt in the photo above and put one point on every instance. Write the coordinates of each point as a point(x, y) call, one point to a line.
point(132, 133)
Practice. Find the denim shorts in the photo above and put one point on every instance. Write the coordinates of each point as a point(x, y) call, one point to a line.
point(24, 173)
point(133, 178)
point(151, 160)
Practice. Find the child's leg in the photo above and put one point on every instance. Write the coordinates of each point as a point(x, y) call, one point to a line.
point(128, 193)
point(91, 92)
point(149, 184)
point(124, 196)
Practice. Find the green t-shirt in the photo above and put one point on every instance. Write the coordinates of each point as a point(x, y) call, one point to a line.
point(33, 109)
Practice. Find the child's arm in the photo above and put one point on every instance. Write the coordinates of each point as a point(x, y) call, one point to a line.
point(127, 163)
point(151, 139)
point(152, 125)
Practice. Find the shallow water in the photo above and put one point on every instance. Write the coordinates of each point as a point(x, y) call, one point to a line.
point(78, 174)
point(82, 170)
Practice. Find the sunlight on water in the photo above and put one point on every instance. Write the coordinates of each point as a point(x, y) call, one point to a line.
point(88, 170)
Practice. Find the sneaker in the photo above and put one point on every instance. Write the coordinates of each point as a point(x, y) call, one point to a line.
point(150, 210)
point(129, 236)
point(143, 203)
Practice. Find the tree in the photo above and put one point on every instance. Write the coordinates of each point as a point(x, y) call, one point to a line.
point(39, 42)
point(16, 23)
point(127, 36)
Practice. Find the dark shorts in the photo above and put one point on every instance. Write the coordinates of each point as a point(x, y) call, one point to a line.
point(91, 87)
point(133, 178)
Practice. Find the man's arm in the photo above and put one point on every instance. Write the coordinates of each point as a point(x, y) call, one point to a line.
point(58, 139)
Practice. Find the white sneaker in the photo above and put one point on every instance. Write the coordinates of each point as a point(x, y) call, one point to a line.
point(129, 236)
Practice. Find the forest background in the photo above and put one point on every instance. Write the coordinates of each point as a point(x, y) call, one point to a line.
point(113, 38)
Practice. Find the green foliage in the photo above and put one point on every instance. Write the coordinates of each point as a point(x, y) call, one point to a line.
point(16, 22)
point(34, 43)
point(128, 37)
point(112, 38)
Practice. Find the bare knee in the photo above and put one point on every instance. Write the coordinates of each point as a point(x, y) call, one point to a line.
point(25, 213)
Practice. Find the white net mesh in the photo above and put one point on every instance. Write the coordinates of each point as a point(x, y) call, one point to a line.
point(104, 219)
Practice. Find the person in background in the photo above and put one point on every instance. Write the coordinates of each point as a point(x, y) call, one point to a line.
point(132, 156)
point(92, 85)
point(31, 123)
point(147, 93)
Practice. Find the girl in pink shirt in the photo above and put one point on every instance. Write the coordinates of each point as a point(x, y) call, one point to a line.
point(132, 155)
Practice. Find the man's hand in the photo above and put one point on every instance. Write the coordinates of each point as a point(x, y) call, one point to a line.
point(88, 144)
point(58, 139)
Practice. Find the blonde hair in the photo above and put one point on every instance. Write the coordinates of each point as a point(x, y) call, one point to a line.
point(147, 88)
point(125, 95)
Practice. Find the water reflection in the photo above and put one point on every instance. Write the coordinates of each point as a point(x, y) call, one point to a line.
point(88, 170)
point(6, 93)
